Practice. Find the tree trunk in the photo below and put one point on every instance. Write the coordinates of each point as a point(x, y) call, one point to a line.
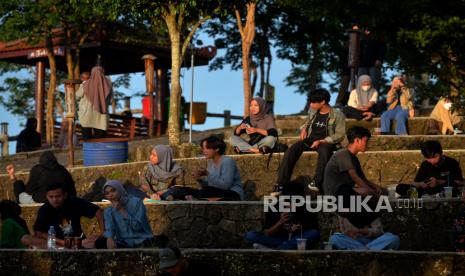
point(247, 35)
point(262, 66)
point(50, 121)
point(175, 95)
point(254, 78)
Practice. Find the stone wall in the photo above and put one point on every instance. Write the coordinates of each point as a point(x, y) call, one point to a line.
point(384, 167)
point(223, 224)
point(232, 262)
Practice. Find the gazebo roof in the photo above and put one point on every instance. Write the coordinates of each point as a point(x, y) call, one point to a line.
point(120, 53)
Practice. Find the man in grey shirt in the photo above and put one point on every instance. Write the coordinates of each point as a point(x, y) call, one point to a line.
point(344, 169)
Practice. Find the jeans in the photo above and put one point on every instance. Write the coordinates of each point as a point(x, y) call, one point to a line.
point(312, 237)
point(400, 115)
point(374, 73)
point(293, 154)
point(384, 242)
point(236, 141)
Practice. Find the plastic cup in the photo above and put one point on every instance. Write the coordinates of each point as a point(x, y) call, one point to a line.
point(301, 244)
point(448, 192)
point(69, 242)
point(77, 243)
point(392, 192)
point(328, 246)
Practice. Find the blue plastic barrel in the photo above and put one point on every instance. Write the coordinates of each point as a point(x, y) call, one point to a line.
point(105, 151)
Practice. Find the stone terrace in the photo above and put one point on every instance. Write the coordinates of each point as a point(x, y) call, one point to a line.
point(384, 167)
point(233, 262)
point(204, 224)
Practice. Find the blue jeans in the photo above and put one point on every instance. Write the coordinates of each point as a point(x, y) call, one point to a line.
point(400, 115)
point(384, 242)
point(312, 237)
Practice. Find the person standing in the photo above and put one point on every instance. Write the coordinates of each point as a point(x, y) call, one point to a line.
point(94, 96)
point(372, 53)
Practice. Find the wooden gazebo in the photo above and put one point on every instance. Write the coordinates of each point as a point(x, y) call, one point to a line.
point(121, 50)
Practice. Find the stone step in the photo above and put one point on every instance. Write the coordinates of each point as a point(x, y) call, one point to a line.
point(383, 167)
point(291, 125)
point(233, 262)
point(393, 142)
point(202, 224)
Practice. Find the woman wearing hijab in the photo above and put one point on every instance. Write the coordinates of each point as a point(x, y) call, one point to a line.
point(94, 96)
point(362, 100)
point(400, 107)
point(442, 119)
point(126, 222)
point(13, 226)
point(161, 173)
point(259, 127)
point(39, 177)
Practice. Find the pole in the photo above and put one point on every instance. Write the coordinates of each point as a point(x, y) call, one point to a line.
point(192, 95)
point(70, 115)
point(40, 95)
point(4, 139)
point(354, 53)
point(149, 77)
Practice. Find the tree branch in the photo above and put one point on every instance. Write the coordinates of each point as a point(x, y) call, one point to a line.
point(239, 23)
point(191, 34)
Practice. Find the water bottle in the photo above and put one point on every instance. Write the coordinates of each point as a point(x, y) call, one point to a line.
point(51, 241)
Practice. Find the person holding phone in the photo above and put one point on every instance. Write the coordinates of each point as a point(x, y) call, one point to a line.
point(259, 130)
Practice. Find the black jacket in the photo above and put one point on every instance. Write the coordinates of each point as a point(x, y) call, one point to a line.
point(46, 172)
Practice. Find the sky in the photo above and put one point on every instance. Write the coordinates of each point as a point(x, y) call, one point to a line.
point(221, 89)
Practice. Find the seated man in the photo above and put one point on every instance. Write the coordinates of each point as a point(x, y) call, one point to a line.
point(436, 172)
point(60, 211)
point(344, 176)
point(322, 132)
point(370, 237)
point(282, 229)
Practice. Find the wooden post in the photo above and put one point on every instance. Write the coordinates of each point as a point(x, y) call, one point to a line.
point(40, 95)
point(127, 103)
point(161, 99)
point(70, 115)
point(227, 118)
point(354, 54)
point(4, 139)
point(113, 106)
point(149, 84)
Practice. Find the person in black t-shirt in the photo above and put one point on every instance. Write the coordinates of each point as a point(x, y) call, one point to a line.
point(322, 132)
point(436, 172)
point(60, 211)
point(281, 230)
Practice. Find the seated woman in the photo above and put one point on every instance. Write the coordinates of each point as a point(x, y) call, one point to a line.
point(442, 120)
point(221, 179)
point(399, 99)
point(259, 127)
point(13, 226)
point(160, 174)
point(362, 100)
point(126, 222)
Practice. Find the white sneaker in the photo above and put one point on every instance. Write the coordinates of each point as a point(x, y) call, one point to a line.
point(312, 187)
point(260, 246)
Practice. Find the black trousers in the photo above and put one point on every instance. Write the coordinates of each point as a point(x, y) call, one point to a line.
point(210, 191)
point(354, 113)
point(89, 133)
point(293, 154)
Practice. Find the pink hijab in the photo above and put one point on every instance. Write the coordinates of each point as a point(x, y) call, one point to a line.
point(97, 89)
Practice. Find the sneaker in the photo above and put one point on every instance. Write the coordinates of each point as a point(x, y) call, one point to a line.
point(260, 246)
point(312, 187)
point(277, 190)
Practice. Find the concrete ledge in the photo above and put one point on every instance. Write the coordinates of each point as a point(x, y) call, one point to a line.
point(384, 167)
point(291, 125)
point(233, 262)
point(223, 224)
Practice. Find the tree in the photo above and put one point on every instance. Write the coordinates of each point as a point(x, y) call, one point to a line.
point(181, 20)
